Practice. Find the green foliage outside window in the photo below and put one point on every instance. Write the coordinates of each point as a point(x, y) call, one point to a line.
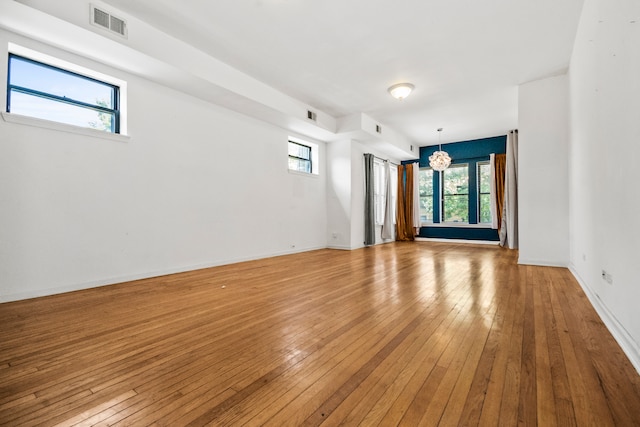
point(456, 194)
point(105, 120)
point(484, 196)
point(426, 195)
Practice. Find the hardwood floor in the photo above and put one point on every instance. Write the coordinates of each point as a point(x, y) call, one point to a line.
point(399, 334)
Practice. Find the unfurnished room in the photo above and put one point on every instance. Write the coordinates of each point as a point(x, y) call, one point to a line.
point(296, 213)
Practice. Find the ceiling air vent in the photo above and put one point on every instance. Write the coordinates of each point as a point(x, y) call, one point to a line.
point(103, 19)
point(311, 115)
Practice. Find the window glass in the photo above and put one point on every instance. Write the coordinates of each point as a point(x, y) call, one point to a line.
point(42, 91)
point(455, 185)
point(43, 108)
point(43, 78)
point(484, 192)
point(426, 194)
point(299, 157)
point(299, 150)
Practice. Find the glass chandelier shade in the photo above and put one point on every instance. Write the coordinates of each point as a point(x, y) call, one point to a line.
point(439, 160)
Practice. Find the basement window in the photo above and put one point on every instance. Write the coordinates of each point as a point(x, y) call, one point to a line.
point(43, 91)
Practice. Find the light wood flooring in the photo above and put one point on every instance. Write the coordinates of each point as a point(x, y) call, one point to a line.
point(398, 334)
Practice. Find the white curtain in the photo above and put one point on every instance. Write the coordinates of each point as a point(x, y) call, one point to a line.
point(416, 198)
point(387, 224)
point(509, 227)
point(494, 200)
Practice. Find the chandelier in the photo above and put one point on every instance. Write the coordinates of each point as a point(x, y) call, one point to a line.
point(439, 160)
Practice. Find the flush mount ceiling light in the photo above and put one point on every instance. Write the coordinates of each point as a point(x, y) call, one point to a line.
point(439, 160)
point(401, 90)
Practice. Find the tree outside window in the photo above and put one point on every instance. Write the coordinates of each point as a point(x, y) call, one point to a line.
point(425, 182)
point(484, 193)
point(455, 198)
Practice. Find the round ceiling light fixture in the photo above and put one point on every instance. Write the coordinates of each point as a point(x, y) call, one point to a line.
point(401, 90)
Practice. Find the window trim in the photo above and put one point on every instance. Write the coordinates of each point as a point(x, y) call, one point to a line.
point(315, 157)
point(115, 92)
point(433, 194)
point(89, 71)
point(62, 127)
point(442, 195)
point(310, 159)
point(480, 193)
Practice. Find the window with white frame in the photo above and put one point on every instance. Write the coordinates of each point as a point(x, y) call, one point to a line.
point(302, 156)
point(484, 192)
point(44, 91)
point(455, 194)
point(425, 182)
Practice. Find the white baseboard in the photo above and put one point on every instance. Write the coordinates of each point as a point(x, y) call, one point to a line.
point(541, 262)
point(144, 275)
point(340, 247)
point(473, 242)
point(629, 346)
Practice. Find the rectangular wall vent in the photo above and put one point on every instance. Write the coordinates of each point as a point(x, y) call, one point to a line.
point(105, 20)
point(118, 25)
point(378, 128)
point(311, 115)
point(100, 18)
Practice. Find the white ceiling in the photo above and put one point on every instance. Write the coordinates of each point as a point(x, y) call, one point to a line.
point(465, 57)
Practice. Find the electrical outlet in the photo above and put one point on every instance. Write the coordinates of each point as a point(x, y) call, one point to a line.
point(334, 235)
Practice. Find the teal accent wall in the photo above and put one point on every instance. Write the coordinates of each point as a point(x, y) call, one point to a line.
point(469, 152)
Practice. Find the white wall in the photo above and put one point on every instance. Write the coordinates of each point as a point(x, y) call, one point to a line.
point(157, 56)
point(345, 204)
point(604, 156)
point(339, 194)
point(543, 179)
point(357, 194)
point(196, 185)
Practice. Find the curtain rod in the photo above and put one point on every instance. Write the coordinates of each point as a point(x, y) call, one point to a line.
point(384, 160)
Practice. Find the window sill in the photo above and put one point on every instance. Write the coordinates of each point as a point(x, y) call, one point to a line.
point(454, 225)
point(310, 175)
point(62, 127)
